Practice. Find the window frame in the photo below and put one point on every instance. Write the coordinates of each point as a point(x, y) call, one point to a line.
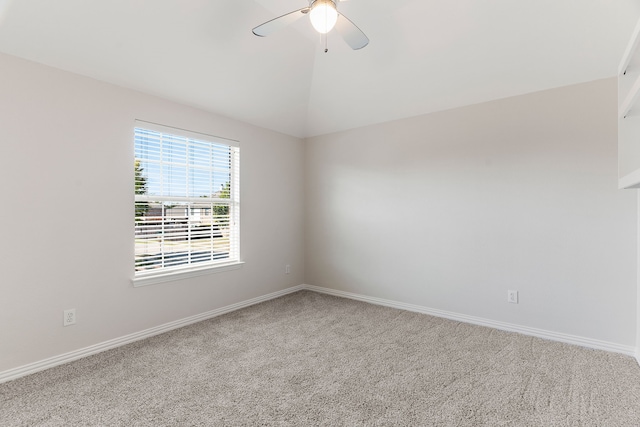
point(166, 274)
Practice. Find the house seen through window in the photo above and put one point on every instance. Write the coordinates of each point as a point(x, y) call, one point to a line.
point(186, 200)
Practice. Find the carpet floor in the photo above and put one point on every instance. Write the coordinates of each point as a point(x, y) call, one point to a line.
point(309, 359)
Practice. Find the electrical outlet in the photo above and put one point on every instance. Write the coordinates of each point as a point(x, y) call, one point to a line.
point(512, 297)
point(287, 269)
point(69, 317)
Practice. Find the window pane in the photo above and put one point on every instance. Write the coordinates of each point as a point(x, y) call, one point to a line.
point(182, 226)
point(180, 234)
point(200, 183)
point(174, 180)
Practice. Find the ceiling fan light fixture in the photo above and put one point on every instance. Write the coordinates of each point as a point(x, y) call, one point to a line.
point(323, 15)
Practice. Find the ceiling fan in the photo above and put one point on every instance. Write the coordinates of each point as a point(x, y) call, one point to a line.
point(324, 17)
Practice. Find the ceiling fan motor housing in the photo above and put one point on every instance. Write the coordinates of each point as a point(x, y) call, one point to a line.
point(323, 15)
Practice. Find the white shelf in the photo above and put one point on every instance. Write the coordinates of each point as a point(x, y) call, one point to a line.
point(629, 114)
point(631, 50)
point(631, 99)
point(629, 181)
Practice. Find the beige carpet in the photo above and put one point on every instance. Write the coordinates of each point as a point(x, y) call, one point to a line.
point(309, 359)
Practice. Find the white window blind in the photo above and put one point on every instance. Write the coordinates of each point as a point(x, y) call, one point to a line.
point(186, 200)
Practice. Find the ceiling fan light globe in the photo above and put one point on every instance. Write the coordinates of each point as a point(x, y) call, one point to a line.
point(323, 15)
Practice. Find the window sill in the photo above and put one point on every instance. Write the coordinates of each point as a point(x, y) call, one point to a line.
point(184, 274)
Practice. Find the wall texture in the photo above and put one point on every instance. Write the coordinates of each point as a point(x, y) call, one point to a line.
point(450, 210)
point(66, 167)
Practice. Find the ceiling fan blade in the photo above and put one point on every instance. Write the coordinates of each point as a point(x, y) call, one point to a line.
point(351, 33)
point(279, 22)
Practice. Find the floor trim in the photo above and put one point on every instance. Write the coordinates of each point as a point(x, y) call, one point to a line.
point(32, 368)
point(540, 333)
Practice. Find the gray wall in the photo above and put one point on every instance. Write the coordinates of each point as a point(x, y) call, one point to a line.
point(450, 210)
point(447, 210)
point(66, 167)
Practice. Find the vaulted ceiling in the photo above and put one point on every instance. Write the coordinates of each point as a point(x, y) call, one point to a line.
point(424, 55)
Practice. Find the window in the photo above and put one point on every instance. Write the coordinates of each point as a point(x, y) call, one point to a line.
point(186, 201)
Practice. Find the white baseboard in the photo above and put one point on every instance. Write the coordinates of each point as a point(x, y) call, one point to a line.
point(525, 330)
point(31, 368)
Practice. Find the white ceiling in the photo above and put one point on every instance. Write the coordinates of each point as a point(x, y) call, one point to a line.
point(424, 55)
